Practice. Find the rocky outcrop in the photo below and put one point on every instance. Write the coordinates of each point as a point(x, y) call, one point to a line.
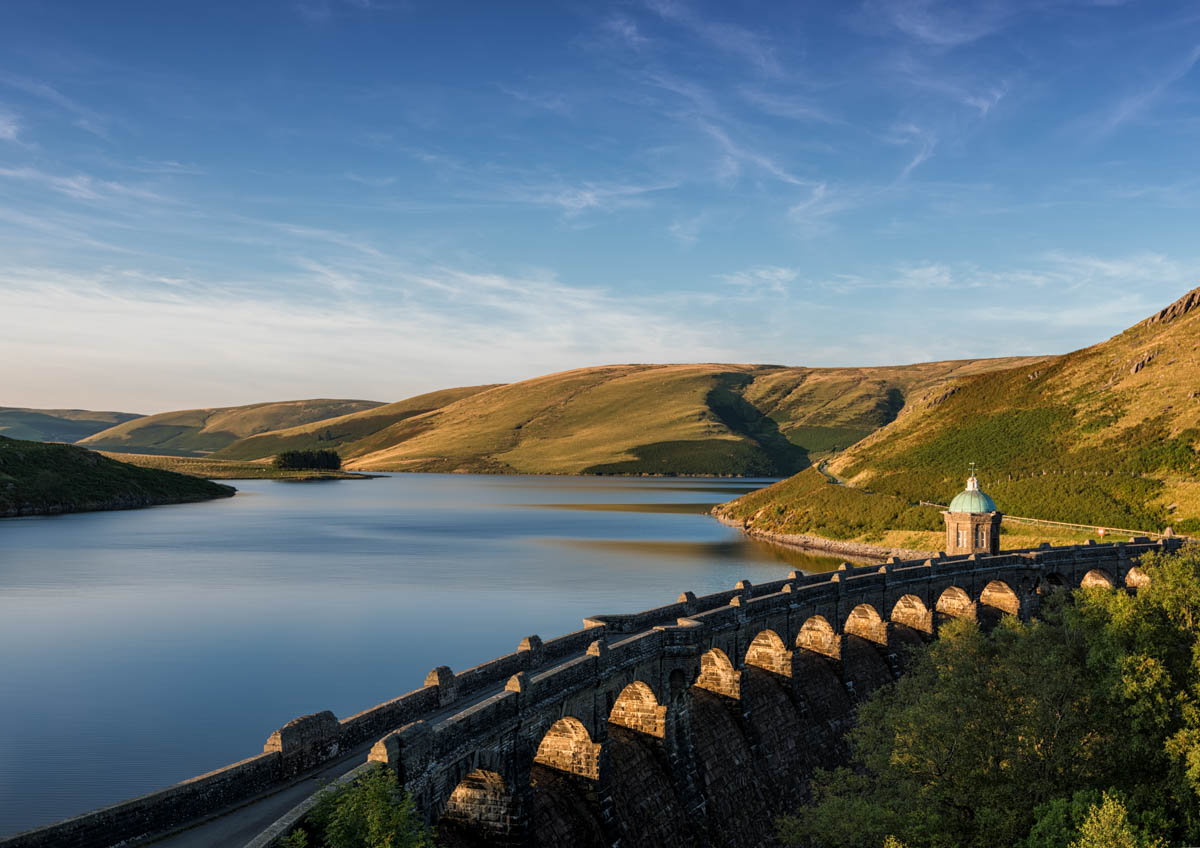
point(1176, 310)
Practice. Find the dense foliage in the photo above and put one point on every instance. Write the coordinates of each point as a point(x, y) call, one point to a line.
point(42, 477)
point(810, 503)
point(1082, 729)
point(372, 812)
point(295, 460)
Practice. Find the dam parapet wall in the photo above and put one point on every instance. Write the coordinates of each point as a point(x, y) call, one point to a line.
point(674, 688)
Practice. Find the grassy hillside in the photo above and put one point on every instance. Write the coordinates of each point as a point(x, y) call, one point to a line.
point(197, 432)
point(227, 469)
point(344, 429)
point(654, 419)
point(57, 425)
point(1107, 435)
point(36, 477)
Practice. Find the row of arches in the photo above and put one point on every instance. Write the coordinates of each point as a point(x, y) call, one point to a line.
point(485, 799)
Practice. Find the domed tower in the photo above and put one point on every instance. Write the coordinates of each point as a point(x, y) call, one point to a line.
point(972, 521)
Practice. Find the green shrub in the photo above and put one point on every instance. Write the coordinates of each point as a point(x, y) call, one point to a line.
point(372, 812)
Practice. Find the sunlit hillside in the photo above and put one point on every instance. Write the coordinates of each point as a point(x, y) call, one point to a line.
point(1104, 435)
point(196, 432)
point(333, 433)
point(655, 419)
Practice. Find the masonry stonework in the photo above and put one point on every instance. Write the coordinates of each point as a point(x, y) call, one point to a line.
point(664, 727)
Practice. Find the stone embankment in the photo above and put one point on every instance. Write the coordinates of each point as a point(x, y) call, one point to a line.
point(855, 551)
point(691, 724)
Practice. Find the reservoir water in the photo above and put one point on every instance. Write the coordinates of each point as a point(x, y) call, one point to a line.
point(140, 648)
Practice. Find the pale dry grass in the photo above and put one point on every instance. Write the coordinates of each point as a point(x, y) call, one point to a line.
point(222, 469)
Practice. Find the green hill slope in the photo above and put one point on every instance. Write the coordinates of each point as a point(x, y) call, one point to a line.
point(654, 419)
point(332, 433)
point(38, 478)
point(1107, 435)
point(57, 425)
point(198, 432)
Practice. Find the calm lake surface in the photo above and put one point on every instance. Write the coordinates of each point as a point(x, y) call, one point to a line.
point(140, 648)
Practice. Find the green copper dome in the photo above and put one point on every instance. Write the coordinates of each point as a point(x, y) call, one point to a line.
point(973, 499)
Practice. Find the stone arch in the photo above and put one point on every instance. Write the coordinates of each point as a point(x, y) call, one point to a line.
point(567, 746)
point(911, 611)
point(1135, 578)
point(864, 621)
point(1097, 578)
point(1050, 582)
point(954, 602)
point(999, 595)
point(717, 674)
point(637, 709)
point(767, 651)
point(817, 635)
point(483, 803)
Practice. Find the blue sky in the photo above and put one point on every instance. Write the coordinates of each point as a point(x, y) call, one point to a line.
point(209, 203)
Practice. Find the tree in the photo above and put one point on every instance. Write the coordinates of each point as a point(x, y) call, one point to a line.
point(308, 459)
point(1024, 735)
point(373, 812)
point(1108, 826)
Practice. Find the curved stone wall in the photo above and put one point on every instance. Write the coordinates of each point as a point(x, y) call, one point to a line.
point(680, 713)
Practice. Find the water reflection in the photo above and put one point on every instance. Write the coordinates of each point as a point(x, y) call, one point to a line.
point(734, 549)
point(140, 648)
point(665, 508)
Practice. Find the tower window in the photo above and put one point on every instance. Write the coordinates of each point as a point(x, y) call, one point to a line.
point(963, 538)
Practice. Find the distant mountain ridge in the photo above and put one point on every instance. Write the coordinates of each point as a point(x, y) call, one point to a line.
point(57, 425)
point(708, 419)
point(198, 432)
point(1107, 435)
point(343, 430)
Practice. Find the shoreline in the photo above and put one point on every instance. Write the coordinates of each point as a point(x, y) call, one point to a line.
point(852, 551)
point(113, 505)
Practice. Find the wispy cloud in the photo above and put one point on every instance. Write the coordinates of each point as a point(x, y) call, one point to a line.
point(740, 154)
point(943, 23)
point(85, 118)
point(982, 97)
point(783, 106)
point(163, 166)
point(687, 230)
point(761, 280)
point(587, 196)
point(319, 11)
point(626, 31)
point(9, 126)
point(924, 140)
point(81, 186)
point(1051, 275)
point(546, 101)
point(504, 328)
point(1133, 106)
point(373, 182)
point(754, 48)
point(811, 215)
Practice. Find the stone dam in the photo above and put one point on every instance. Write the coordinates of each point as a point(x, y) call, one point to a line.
point(691, 724)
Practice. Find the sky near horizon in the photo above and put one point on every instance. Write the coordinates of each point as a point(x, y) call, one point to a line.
point(213, 203)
